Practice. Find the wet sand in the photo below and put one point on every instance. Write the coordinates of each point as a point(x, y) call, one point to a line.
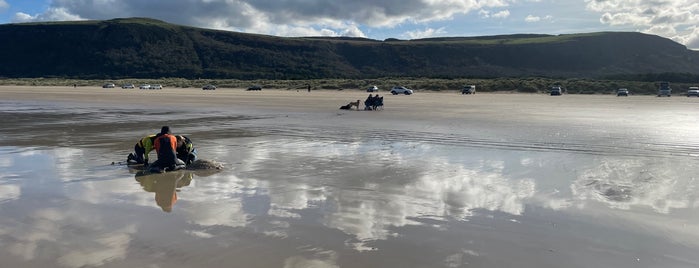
point(433, 180)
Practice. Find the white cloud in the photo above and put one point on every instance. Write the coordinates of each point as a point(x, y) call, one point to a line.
point(53, 14)
point(531, 18)
point(502, 14)
point(3, 5)
point(498, 15)
point(429, 32)
point(286, 18)
point(675, 19)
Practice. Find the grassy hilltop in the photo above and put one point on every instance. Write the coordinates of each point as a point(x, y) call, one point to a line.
point(139, 50)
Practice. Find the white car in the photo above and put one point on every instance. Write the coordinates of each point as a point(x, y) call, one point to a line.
point(401, 90)
point(372, 89)
point(126, 86)
point(693, 91)
point(156, 86)
point(109, 85)
point(144, 86)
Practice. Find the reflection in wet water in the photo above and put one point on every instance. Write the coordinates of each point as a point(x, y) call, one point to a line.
point(315, 197)
point(165, 186)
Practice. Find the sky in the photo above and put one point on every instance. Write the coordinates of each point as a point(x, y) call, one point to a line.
point(381, 19)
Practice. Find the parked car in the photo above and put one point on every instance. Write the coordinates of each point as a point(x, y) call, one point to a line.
point(255, 88)
point(556, 91)
point(125, 86)
point(209, 87)
point(693, 91)
point(401, 90)
point(664, 89)
point(156, 86)
point(469, 89)
point(622, 92)
point(144, 86)
point(372, 89)
point(108, 85)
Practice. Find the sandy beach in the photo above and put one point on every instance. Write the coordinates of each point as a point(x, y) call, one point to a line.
point(435, 179)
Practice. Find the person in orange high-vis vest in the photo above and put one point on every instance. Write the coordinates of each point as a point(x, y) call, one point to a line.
point(165, 145)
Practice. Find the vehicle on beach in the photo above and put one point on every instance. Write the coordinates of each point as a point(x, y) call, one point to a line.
point(693, 91)
point(108, 85)
point(127, 86)
point(209, 87)
point(144, 86)
point(664, 89)
point(556, 91)
point(255, 88)
point(622, 92)
point(469, 89)
point(372, 89)
point(401, 90)
point(156, 86)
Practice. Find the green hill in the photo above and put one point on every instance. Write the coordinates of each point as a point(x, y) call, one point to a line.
point(146, 48)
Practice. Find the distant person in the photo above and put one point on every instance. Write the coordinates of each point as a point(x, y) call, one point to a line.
point(165, 145)
point(309, 88)
point(367, 102)
point(185, 150)
point(141, 150)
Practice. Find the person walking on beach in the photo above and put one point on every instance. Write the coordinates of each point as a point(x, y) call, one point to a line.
point(309, 88)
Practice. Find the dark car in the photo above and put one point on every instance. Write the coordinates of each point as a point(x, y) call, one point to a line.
point(622, 92)
point(556, 91)
point(372, 89)
point(209, 87)
point(469, 89)
point(255, 88)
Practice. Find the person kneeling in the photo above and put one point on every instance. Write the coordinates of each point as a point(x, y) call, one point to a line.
point(165, 146)
point(185, 150)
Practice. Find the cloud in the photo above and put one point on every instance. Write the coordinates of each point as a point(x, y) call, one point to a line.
point(675, 19)
point(498, 15)
point(3, 5)
point(429, 32)
point(502, 14)
point(531, 18)
point(284, 18)
point(52, 14)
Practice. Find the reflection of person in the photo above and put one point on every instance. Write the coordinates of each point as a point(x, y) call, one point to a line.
point(165, 145)
point(185, 150)
point(141, 150)
point(164, 186)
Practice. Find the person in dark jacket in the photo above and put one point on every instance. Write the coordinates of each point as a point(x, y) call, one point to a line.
point(165, 145)
point(185, 150)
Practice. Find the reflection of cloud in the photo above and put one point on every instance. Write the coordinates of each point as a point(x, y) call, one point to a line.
point(444, 190)
point(92, 246)
point(323, 259)
point(624, 183)
point(219, 202)
point(9, 192)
